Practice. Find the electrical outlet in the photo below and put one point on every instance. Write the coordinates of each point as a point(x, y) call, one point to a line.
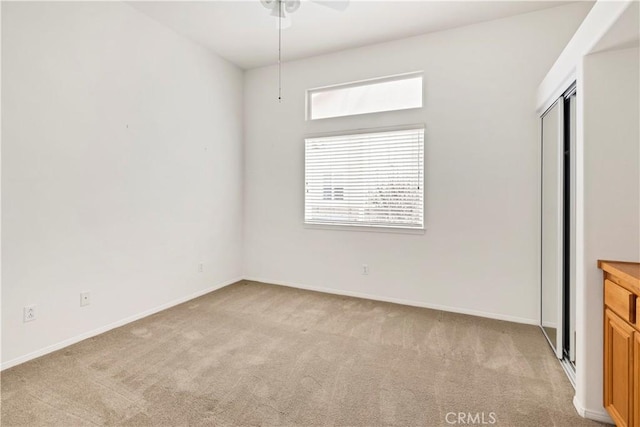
point(201, 267)
point(85, 298)
point(365, 269)
point(29, 313)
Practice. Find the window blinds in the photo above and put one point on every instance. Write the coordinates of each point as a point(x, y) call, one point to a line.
point(368, 179)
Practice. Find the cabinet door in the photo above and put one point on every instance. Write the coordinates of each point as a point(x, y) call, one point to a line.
point(618, 369)
point(636, 379)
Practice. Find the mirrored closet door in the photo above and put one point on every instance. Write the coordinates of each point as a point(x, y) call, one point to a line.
point(551, 256)
point(557, 311)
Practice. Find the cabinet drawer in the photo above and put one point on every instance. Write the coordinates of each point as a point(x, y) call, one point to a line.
point(620, 300)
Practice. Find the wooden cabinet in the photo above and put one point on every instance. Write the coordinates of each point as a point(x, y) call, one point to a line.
point(618, 368)
point(622, 342)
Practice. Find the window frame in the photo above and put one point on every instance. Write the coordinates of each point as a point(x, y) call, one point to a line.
point(367, 227)
point(359, 83)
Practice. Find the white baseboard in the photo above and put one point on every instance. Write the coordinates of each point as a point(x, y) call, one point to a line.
point(596, 415)
point(117, 324)
point(122, 322)
point(398, 301)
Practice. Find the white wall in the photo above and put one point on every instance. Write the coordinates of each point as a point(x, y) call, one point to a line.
point(611, 193)
point(480, 252)
point(121, 170)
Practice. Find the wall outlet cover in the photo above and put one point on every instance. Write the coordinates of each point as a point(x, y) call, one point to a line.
point(85, 299)
point(29, 313)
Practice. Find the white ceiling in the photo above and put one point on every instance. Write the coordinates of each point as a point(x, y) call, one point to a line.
point(243, 32)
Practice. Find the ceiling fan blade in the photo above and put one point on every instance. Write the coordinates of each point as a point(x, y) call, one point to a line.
point(334, 4)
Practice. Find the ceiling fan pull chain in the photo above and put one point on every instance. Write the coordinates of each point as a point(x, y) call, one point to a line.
point(290, 6)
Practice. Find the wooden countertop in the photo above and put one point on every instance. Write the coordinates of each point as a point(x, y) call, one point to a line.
point(627, 271)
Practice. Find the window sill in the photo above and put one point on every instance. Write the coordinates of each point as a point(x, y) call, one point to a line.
point(366, 228)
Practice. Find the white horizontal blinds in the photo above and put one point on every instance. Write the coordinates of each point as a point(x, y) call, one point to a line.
point(371, 179)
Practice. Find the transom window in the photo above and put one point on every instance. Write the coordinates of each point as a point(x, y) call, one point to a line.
point(373, 179)
point(392, 93)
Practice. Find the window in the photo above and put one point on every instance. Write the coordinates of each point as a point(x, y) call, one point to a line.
point(384, 94)
point(370, 179)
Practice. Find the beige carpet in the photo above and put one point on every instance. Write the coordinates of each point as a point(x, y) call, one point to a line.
point(256, 354)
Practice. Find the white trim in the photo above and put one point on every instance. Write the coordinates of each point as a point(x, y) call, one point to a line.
point(557, 93)
point(595, 26)
point(569, 370)
point(116, 324)
point(358, 131)
point(600, 415)
point(393, 77)
point(397, 301)
point(582, 336)
point(130, 319)
point(353, 227)
point(358, 83)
